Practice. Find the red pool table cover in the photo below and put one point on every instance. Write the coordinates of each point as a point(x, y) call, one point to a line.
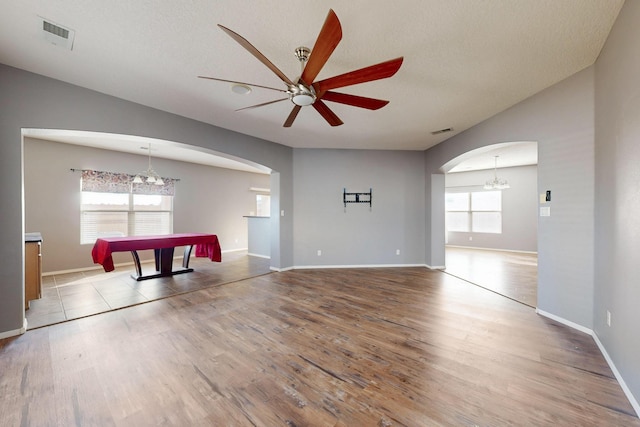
point(207, 245)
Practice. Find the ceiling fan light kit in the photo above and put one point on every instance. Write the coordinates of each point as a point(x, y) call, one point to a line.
point(302, 95)
point(241, 89)
point(305, 91)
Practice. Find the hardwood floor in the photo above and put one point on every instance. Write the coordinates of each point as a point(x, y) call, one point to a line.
point(512, 274)
point(337, 347)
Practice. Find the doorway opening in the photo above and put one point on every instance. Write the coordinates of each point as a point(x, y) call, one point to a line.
point(491, 233)
point(72, 286)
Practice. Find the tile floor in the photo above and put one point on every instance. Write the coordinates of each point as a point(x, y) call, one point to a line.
point(74, 295)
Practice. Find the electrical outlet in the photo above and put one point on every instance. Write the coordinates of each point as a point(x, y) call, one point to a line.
point(470, 238)
point(319, 252)
point(608, 318)
point(397, 251)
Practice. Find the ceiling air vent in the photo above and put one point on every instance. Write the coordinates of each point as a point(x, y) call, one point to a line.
point(57, 34)
point(438, 132)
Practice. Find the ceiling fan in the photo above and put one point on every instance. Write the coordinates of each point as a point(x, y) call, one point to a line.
point(304, 91)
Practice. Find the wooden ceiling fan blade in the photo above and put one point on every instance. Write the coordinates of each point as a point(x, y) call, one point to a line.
point(241, 83)
point(374, 72)
point(292, 116)
point(329, 37)
point(255, 52)
point(262, 105)
point(326, 112)
point(354, 100)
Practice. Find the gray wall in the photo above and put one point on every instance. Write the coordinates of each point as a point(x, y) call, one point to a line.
point(259, 236)
point(519, 209)
point(617, 214)
point(358, 236)
point(207, 200)
point(32, 101)
point(560, 119)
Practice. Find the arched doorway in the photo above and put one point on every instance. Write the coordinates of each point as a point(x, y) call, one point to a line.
point(213, 193)
point(491, 233)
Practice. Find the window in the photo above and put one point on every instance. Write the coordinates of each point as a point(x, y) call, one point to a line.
point(476, 212)
point(118, 214)
point(263, 205)
point(111, 206)
point(486, 212)
point(457, 207)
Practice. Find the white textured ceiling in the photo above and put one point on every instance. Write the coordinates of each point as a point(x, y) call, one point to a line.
point(464, 60)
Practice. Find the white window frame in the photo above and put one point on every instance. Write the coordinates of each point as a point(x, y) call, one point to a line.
point(470, 211)
point(88, 236)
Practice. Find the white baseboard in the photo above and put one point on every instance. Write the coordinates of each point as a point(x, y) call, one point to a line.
point(435, 267)
point(307, 267)
point(492, 249)
point(76, 270)
point(258, 255)
point(616, 373)
point(280, 270)
point(15, 332)
point(234, 250)
point(323, 267)
point(565, 322)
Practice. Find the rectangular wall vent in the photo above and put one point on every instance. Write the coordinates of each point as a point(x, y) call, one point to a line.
point(438, 132)
point(55, 30)
point(57, 34)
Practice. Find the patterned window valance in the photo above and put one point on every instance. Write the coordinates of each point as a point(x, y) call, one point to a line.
point(113, 182)
point(168, 189)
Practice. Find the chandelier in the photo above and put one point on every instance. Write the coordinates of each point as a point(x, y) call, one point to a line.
point(149, 176)
point(496, 183)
